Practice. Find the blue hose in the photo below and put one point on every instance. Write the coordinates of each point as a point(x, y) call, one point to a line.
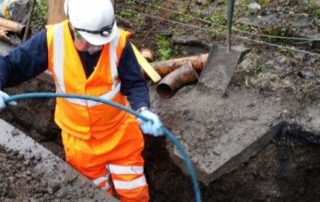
point(116, 105)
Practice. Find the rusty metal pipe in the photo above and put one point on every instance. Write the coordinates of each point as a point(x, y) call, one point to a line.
point(176, 79)
point(12, 26)
point(3, 35)
point(165, 67)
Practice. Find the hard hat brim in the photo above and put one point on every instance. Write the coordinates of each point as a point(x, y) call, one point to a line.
point(97, 39)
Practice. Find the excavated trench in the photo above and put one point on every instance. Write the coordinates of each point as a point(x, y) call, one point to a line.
point(286, 169)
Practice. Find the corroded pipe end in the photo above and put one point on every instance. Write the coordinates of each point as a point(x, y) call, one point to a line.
point(165, 90)
point(178, 78)
point(12, 26)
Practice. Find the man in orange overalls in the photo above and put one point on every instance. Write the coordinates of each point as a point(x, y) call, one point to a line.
point(89, 55)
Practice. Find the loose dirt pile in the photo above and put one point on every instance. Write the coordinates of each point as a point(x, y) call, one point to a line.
point(16, 175)
point(19, 182)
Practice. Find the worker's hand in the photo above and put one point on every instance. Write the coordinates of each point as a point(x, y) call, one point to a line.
point(4, 95)
point(152, 127)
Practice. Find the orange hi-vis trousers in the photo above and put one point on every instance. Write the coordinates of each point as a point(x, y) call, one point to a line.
point(114, 163)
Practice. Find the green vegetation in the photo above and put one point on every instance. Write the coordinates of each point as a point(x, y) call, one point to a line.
point(244, 27)
point(155, 6)
point(41, 8)
point(136, 18)
point(261, 68)
point(317, 13)
point(219, 21)
point(164, 48)
point(264, 3)
point(183, 16)
point(124, 13)
point(39, 15)
point(218, 18)
point(139, 20)
point(131, 12)
point(273, 31)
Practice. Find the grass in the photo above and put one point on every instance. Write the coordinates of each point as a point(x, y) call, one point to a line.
point(264, 3)
point(41, 9)
point(136, 18)
point(218, 18)
point(164, 48)
point(317, 13)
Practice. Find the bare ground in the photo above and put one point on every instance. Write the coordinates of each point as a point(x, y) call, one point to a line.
point(20, 181)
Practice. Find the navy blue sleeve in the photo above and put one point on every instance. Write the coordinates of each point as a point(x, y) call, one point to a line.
point(24, 62)
point(133, 85)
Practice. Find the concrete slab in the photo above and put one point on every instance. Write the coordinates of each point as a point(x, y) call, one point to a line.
point(219, 133)
point(54, 171)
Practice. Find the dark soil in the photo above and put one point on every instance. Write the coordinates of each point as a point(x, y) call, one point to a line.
point(20, 182)
point(286, 170)
point(13, 181)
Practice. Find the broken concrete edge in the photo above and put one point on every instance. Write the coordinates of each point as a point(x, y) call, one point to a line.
point(55, 171)
point(235, 161)
point(298, 131)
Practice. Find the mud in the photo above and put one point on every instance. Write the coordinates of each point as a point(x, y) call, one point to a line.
point(286, 169)
point(42, 128)
point(14, 182)
point(20, 181)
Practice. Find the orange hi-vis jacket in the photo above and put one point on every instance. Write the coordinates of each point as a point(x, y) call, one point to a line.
point(83, 118)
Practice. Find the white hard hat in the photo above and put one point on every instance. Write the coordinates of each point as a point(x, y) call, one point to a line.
point(94, 19)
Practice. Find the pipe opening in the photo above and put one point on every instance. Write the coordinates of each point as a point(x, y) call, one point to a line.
point(164, 90)
point(175, 80)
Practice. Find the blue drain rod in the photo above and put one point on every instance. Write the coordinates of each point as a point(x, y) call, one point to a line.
point(116, 105)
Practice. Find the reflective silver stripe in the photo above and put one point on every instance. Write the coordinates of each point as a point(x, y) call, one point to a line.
point(116, 169)
point(107, 96)
point(58, 56)
point(127, 185)
point(106, 188)
point(100, 180)
point(58, 68)
point(58, 42)
point(89, 103)
point(114, 58)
